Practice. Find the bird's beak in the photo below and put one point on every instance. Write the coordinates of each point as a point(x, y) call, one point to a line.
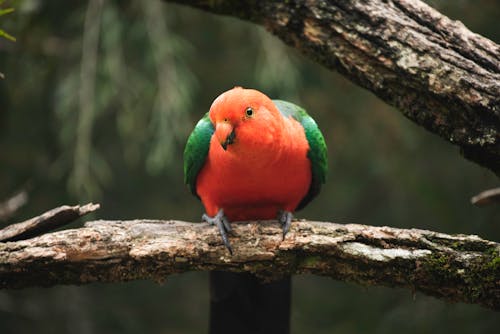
point(225, 134)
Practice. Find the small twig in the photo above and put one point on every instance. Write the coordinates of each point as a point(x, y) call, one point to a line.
point(47, 221)
point(9, 207)
point(487, 197)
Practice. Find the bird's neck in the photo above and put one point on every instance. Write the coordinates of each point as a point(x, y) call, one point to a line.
point(260, 142)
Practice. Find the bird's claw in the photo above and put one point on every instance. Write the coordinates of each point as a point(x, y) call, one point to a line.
point(285, 219)
point(222, 223)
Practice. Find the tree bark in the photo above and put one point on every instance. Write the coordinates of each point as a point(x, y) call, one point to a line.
point(46, 222)
point(434, 70)
point(461, 268)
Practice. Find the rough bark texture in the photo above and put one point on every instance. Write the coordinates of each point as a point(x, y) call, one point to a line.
point(46, 222)
point(436, 71)
point(455, 268)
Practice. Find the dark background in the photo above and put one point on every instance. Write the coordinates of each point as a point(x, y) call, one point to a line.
point(158, 68)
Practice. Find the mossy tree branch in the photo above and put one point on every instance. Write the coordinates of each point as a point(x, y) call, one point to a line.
point(461, 268)
point(434, 70)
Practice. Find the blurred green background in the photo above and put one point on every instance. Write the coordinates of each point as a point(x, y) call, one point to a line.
point(96, 105)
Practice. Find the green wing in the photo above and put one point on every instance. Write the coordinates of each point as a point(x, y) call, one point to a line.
point(317, 147)
point(196, 151)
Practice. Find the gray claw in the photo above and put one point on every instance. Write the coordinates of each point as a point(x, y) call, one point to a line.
point(222, 223)
point(225, 222)
point(285, 219)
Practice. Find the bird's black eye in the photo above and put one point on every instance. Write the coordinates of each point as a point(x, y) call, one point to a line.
point(249, 111)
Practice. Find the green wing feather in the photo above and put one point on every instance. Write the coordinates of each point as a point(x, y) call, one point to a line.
point(317, 147)
point(196, 151)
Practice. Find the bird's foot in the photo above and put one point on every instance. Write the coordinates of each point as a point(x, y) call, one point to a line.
point(221, 221)
point(285, 219)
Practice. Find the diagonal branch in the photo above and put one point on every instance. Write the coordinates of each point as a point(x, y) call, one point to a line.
point(462, 268)
point(487, 197)
point(46, 222)
point(437, 72)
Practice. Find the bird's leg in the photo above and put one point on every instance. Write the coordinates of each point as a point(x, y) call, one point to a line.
point(221, 221)
point(285, 219)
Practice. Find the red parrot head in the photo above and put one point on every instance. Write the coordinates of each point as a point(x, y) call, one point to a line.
point(244, 115)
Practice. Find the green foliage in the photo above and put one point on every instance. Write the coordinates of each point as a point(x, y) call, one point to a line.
point(3, 33)
point(142, 81)
point(5, 11)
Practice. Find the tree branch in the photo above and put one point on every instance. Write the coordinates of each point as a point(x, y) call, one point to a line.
point(487, 197)
point(437, 72)
point(46, 222)
point(452, 267)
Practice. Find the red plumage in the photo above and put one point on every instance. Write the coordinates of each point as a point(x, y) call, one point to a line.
point(264, 170)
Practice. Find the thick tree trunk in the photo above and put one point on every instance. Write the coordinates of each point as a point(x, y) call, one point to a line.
point(437, 72)
point(455, 268)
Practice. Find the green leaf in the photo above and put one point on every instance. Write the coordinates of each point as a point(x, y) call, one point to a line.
point(6, 11)
point(7, 36)
point(3, 12)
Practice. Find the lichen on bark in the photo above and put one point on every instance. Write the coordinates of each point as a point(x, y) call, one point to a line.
point(455, 268)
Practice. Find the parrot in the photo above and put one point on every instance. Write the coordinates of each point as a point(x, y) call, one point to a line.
point(253, 158)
